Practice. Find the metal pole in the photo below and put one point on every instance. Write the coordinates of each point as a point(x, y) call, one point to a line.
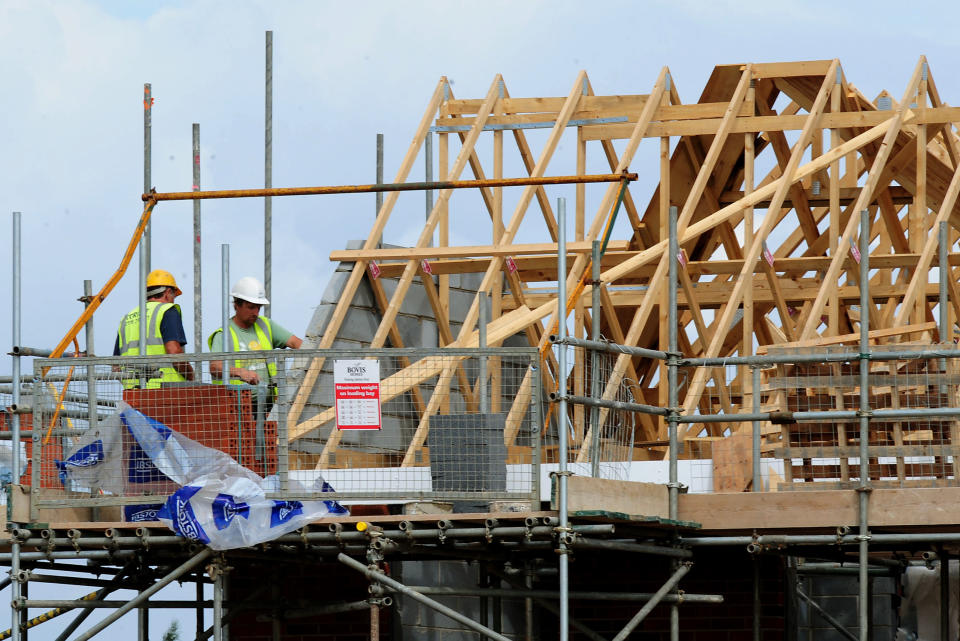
point(864, 489)
point(673, 396)
point(757, 611)
point(142, 293)
point(757, 473)
point(595, 360)
point(218, 607)
point(673, 393)
point(562, 416)
point(146, 594)
point(147, 152)
point(379, 173)
point(652, 603)
point(225, 300)
point(200, 608)
point(15, 425)
point(482, 343)
point(197, 265)
point(945, 333)
point(143, 624)
point(402, 589)
point(374, 188)
point(91, 370)
point(428, 173)
point(944, 592)
point(268, 172)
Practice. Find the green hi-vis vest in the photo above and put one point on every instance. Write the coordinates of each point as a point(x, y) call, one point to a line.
point(264, 338)
point(129, 334)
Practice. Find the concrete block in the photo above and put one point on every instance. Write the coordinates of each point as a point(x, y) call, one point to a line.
point(318, 323)
point(359, 325)
point(409, 328)
point(416, 302)
point(832, 586)
point(335, 286)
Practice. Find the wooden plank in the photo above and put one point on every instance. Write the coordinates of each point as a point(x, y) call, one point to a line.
point(850, 338)
point(585, 493)
point(463, 251)
point(733, 462)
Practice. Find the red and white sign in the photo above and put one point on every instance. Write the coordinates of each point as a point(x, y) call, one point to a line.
point(855, 253)
point(511, 264)
point(425, 266)
point(767, 254)
point(356, 386)
point(374, 270)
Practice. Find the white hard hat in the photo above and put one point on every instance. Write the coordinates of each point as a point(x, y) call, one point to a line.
point(251, 290)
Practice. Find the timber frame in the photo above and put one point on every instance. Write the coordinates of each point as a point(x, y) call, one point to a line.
point(767, 170)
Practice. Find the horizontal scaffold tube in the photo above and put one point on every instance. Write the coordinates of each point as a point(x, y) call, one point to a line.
point(818, 539)
point(823, 357)
point(387, 187)
point(613, 348)
point(613, 405)
point(99, 541)
point(520, 593)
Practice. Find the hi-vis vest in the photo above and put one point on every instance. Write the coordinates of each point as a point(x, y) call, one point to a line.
point(129, 333)
point(264, 338)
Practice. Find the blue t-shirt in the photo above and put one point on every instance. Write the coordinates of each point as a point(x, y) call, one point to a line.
point(171, 329)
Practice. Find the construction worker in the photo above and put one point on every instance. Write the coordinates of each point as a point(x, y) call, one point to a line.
point(164, 333)
point(249, 331)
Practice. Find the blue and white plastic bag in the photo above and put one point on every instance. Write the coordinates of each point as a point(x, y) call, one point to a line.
point(212, 498)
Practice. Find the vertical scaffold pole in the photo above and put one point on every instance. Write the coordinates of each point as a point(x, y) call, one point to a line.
point(673, 394)
point(379, 174)
point(91, 370)
point(595, 359)
point(225, 334)
point(268, 172)
point(428, 171)
point(15, 428)
point(147, 165)
point(864, 489)
point(944, 272)
point(482, 343)
point(562, 415)
point(197, 255)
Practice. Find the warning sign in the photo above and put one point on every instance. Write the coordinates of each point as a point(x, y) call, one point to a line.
point(356, 386)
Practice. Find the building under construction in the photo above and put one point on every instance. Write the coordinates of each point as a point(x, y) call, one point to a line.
point(744, 424)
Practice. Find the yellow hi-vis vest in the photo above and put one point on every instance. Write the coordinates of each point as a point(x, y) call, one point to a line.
point(264, 338)
point(129, 333)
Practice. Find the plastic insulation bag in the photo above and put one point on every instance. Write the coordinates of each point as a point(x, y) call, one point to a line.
point(212, 498)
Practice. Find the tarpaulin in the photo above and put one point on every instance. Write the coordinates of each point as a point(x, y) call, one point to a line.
point(211, 499)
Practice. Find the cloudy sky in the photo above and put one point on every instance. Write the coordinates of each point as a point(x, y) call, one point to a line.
point(71, 116)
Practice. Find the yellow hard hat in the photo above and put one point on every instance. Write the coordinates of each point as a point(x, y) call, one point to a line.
point(162, 278)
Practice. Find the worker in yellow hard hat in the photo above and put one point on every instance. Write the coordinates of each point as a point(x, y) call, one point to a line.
point(165, 334)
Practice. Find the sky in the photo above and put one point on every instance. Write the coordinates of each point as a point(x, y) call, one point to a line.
point(71, 118)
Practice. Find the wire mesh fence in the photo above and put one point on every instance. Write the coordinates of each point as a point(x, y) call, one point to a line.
point(602, 440)
point(350, 424)
point(788, 421)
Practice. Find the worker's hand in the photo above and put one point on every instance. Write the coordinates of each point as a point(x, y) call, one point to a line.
point(248, 376)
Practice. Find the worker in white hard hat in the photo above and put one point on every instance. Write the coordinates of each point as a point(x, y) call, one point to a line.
point(165, 334)
point(249, 332)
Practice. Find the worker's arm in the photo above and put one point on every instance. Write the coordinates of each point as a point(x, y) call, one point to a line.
point(293, 342)
point(245, 375)
point(185, 369)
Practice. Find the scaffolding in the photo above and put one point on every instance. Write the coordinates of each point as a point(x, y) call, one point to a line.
point(715, 336)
